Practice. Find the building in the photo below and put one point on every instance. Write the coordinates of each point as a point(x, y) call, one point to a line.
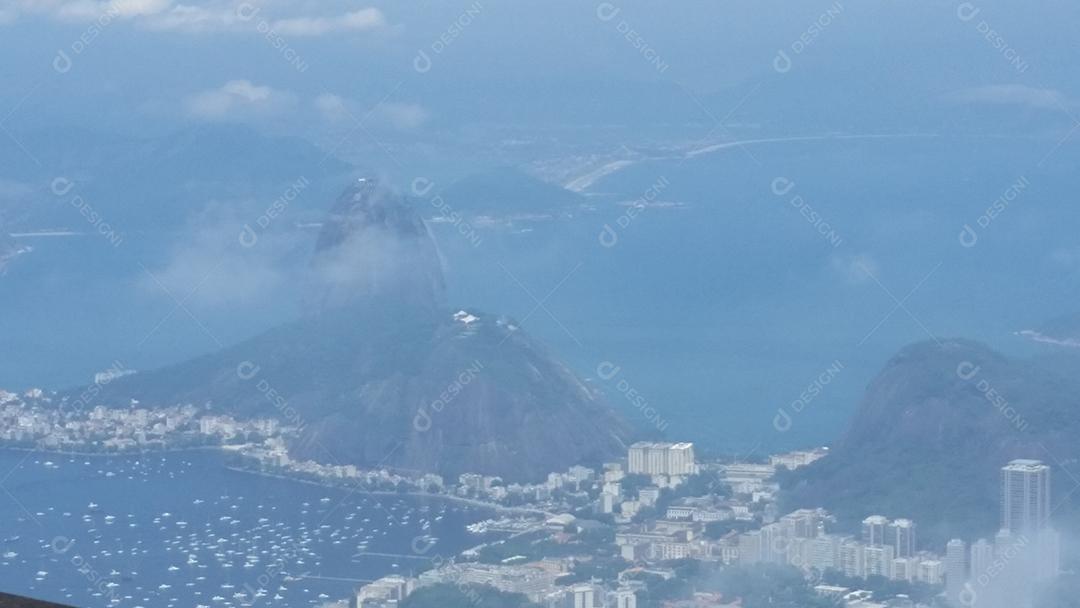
point(931, 572)
point(982, 556)
point(955, 569)
point(1025, 518)
point(851, 558)
point(750, 547)
point(804, 523)
point(1025, 496)
point(878, 561)
point(387, 589)
point(624, 598)
point(796, 459)
point(656, 458)
point(873, 530)
point(901, 535)
point(904, 569)
point(648, 495)
point(582, 596)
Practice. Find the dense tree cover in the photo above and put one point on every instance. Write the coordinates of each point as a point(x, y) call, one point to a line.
point(465, 596)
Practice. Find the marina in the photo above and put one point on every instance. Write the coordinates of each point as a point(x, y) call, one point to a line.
point(181, 529)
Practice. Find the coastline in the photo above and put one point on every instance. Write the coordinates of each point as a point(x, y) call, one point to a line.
point(299, 478)
point(447, 497)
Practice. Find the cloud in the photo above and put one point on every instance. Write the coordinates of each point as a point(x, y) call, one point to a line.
point(197, 17)
point(102, 11)
point(856, 268)
point(239, 99)
point(363, 19)
point(212, 264)
point(1009, 94)
point(333, 108)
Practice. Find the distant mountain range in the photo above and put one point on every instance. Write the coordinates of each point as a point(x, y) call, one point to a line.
point(932, 432)
point(380, 372)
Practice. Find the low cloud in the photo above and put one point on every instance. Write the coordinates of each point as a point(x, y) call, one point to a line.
point(212, 264)
point(356, 21)
point(239, 99)
point(1009, 94)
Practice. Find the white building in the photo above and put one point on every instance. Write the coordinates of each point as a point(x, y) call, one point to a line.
point(901, 535)
point(655, 458)
point(582, 596)
point(873, 530)
point(1025, 496)
point(624, 598)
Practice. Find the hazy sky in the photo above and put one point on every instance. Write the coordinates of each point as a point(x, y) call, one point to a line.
point(145, 65)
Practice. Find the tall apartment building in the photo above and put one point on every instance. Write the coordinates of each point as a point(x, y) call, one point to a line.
point(955, 569)
point(851, 558)
point(654, 458)
point(624, 598)
point(873, 530)
point(901, 535)
point(982, 556)
point(878, 561)
point(1025, 496)
point(804, 523)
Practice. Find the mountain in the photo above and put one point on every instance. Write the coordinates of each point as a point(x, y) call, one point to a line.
point(932, 432)
point(373, 245)
point(381, 373)
point(153, 183)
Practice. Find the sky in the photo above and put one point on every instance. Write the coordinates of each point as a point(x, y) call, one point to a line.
point(418, 67)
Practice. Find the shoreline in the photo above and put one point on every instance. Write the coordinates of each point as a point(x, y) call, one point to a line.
point(298, 478)
point(54, 451)
point(447, 497)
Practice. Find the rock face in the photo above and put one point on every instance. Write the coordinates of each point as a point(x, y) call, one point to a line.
point(932, 432)
point(380, 373)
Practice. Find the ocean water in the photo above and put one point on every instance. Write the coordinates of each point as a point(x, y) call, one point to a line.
point(182, 529)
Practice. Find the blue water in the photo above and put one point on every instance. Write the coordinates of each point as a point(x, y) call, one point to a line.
point(241, 532)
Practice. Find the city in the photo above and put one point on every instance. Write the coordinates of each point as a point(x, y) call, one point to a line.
point(613, 531)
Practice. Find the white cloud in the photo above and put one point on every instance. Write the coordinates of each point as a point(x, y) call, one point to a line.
point(210, 262)
point(88, 10)
point(1010, 94)
point(333, 108)
point(196, 17)
point(363, 19)
point(239, 99)
point(856, 268)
